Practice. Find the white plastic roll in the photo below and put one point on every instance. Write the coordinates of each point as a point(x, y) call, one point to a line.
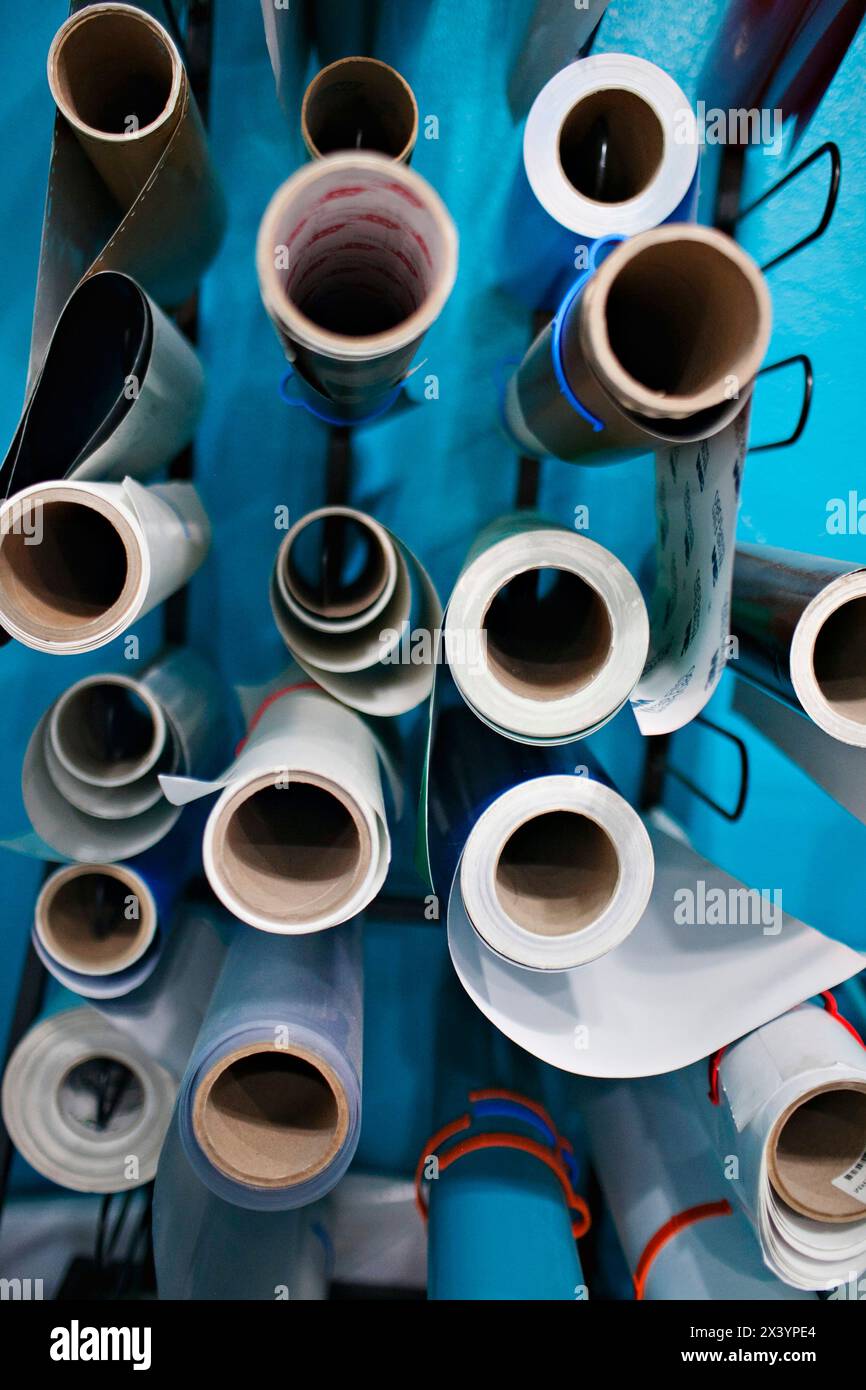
point(651, 146)
point(655, 1161)
point(672, 991)
point(367, 635)
point(108, 553)
point(556, 872)
point(90, 778)
point(85, 1104)
point(95, 928)
point(793, 1111)
point(697, 504)
point(544, 665)
point(297, 840)
point(356, 257)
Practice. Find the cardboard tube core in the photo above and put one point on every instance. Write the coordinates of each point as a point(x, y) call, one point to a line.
point(82, 919)
point(359, 104)
point(269, 1116)
point(293, 853)
point(106, 728)
point(111, 69)
point(79, 578)
point(556, 873)
point(101, 1095)
point(816, 1140)
point(335, 566)
point(355, 272)
point(611, 145)
point(839, 660)
point(548, 633)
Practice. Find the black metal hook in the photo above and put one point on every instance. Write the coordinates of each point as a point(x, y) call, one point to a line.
point(808, 384)
point(828, 148)
point(703, 796)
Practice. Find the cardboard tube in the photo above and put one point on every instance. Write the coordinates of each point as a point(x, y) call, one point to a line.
point(269, 1109)
point(356, 258)
point(360, 104)
point(546, 632)
point(556, 872)
point(801, 625)
point(297, 840)
point(271, 1117)
point(349, 599)
point(106, 554)
point(661, 344)
point(51, 1107)
point(818, 1137)
point(83, 922)
point(117, 78)
point(292, 854)
point(108, 730)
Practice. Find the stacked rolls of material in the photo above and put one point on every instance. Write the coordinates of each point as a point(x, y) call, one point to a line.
point(90, 778)
point(357, 611)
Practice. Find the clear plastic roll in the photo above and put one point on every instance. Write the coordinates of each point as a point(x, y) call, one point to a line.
point(357, 611)
point(84, 1103)
point(546, 632)
point(107, 554)
point(269, 1109)
point(655, 1161)
point(298, 838)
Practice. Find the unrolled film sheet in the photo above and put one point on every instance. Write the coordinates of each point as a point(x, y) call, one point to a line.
point(793, 1111)
point(269, 1109)
point(298, 838)
point(659, 345)
point(554, 35)
point(610, 149)
point(81, 561)
point(546, 632)
point(356, 258)
point(84, 1102)
point(119, 391)
point(672, 991)
point(800, 622)
point(357, 610)
point(359, 103)
point(542, 859)
point(132, 185)
point(837, 767)
point(90, 777)
point(697, 502)
point(655, 1161)
point(100, 929)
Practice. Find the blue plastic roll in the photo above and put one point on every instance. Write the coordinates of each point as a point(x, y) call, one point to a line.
point(500, 1229)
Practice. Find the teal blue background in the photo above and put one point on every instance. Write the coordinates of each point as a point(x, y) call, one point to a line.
point(438, 471)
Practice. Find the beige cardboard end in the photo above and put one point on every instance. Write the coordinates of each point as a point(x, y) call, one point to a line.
point(360, 104)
